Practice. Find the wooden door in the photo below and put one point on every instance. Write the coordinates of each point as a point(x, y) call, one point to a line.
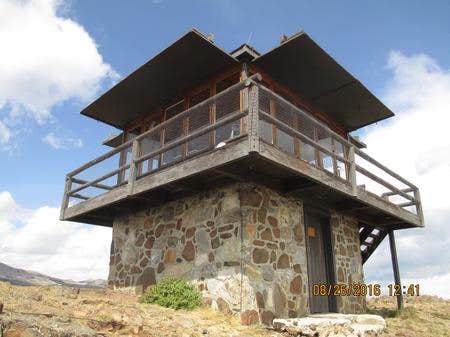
point(318, 249)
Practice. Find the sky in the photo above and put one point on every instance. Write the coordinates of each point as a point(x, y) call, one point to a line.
point(57, 56)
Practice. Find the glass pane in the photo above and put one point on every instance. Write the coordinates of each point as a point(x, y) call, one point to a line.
point(150, 144)
point(228, 131)
point(198, 119)
point(285, 141)
point(307, 153)
point(341, 170)
point(173, 132)
point(265, 131)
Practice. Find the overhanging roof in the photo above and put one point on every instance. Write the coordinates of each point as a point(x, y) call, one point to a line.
point(188, 61)
point(298, 63)
point(304, 67)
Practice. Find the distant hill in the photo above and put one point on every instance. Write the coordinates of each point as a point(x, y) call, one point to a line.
point(24, 277)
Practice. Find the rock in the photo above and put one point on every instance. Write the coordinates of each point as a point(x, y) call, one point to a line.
point(249, 317)
point(250, 197)
point(1, 307)
point(272, 221)
point(189, 251)
point(259, 299)
point(223, 306)
point(203, 241)
point(190, 232)
point(296, 285)
point(260, 255)
point(170, 256)
point(267, 273)
point(283, 262)
point(332, 325)
point(267, 317)
point(279, 299)
point(266, 235)
point(147, 278)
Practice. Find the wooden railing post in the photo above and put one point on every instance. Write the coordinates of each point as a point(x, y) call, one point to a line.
point(352, 169)
point(65, 201)
point(418, 202)
point(253, 117)
point(133, 166)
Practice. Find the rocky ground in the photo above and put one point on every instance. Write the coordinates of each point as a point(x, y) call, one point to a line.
point(62, 312)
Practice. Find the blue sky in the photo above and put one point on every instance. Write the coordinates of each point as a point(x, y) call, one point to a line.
point(380, 42)
point(359, 36)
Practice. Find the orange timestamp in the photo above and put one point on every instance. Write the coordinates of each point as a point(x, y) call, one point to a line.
point(363, 289)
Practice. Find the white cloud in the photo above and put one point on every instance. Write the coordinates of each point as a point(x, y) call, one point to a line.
point(46, 59)
point(37, 240)
point(61, 142)
point(5, 133)
point(415, 143)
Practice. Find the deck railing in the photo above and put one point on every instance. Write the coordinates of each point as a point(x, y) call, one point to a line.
point(208, 125)
point(244, 109)
point(294, 131)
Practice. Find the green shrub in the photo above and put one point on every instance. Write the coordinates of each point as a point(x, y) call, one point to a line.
point(173, 293)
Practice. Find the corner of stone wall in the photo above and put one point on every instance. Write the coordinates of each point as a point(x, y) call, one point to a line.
point(347, 260)
point(274, 279)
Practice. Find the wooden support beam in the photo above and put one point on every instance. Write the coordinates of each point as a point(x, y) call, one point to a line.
point(390, 194)
point(95, 181)
point(302, 137)
point(65, 201)
point(297, 188)
point(352, 169)
point(101, 186)
point(395, 269)
point(419, 209)
point(79, 196)
point(384, 168)
point(229, 175)
point(133, 167)
point(253, 118)
point(383, 182)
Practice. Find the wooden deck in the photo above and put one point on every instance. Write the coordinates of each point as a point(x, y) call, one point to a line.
point(267, 140)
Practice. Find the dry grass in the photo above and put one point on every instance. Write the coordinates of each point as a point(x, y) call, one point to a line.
point(424, 316)
point(114, 314)
point(117, 314)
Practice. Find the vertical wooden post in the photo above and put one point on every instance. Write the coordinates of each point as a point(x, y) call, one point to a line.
point(253, 118)
point(133, 167)
point(333, 149)
point(65, 201)
point(317, 153)
point(352, 169)
point(396, 269)
point(244, 97)
point(418, 202)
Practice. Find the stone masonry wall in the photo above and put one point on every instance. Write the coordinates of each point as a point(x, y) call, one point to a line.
point(347, 260)
point(197, 238)
point(243, 245)
point(274, 259)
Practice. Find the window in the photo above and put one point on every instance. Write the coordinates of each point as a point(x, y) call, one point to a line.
point(172, 132)
point(225, 106)
point(199, 118)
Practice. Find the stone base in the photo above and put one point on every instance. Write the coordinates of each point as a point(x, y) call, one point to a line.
point(332, 325)
point(243, 245)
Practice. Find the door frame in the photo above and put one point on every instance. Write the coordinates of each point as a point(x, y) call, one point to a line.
point(328, 251)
